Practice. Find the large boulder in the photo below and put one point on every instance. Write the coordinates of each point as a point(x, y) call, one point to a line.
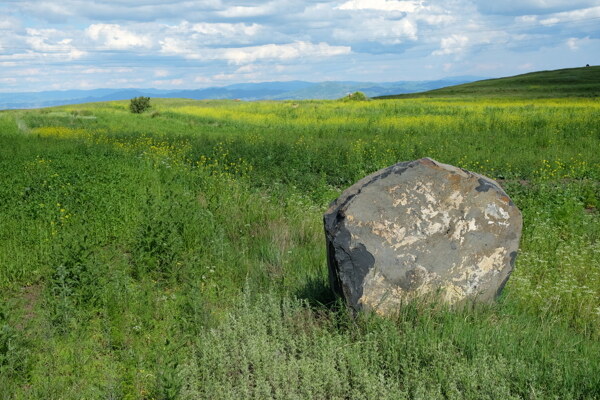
point(421, 229)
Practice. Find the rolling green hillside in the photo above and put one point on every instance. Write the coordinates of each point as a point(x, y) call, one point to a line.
point(570, 82)
point(180, 254)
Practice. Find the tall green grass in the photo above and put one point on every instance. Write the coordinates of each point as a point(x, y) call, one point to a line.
point(180, 254)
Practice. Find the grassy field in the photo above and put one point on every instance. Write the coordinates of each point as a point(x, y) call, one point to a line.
point(568, 82)
point(180, 253)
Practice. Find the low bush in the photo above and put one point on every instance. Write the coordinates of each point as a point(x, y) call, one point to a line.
point(139, 104)
point(356, 96)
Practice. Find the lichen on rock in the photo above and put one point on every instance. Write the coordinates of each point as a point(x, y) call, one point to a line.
point(421, 228)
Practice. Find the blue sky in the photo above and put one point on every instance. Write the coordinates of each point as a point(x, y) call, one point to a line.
point(183, 44)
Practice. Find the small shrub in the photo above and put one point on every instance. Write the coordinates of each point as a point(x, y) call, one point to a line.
point(139, 104)
point(356, 96)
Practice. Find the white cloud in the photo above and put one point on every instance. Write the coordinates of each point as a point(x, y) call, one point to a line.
point(170, 82)
point(245, 69)
point(382, 5)
point(225, 29)
point(189, 39)
point(249, 54)
point(550, 21)
point(79, 84)
point(572, 43)
point(106, 70)
point(161, 73)
point(454, 44)
point(207, 33)
point(8, 23)
point(244, 55)
point(253, 73)
point(576, 43)
point(247, 40)
point(50, 44)
point(433, 19)
point(526, 19)
point(114, 37)
point(27, 71)
point(201, 79)
point(248, 11)
point(174, 46)
point(38, 38)
point(574, 16)
point(516, 7)
point(379, 29)
point(225, 77)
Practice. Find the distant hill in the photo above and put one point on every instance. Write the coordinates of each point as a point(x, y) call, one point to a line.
point(291, 90)
point(335, 90)
point(570, 82)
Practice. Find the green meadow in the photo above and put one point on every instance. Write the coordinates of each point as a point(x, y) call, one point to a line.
point(560, 83)
point(180, 254)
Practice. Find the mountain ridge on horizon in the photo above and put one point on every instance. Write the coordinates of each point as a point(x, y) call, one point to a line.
point(275, 90)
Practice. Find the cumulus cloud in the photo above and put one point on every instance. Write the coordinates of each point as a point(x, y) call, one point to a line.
point(288, 51)
point(435, 19)
point(573, 16)
point(189, 35)
point(576, 43)
point(168, 82)
point(175, 46)
point(225, 29)
point(454, 44)
point(248, 11)
point(191, 48)
point(379, 29)
point(8, 23)
point(50, 44)
point(540, 7)
point(251, 73)
point(120, 10)
point(526, 19)
point(161, 73)
point(549, 21)
point(204, 41)
point(572, 43)
point(114, 37)
point(201, 79)
point(106, 70)
point(382, 5)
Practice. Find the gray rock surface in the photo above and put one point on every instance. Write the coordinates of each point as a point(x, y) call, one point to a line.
point(420, 228)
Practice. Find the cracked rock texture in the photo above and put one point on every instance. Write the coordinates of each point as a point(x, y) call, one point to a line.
point(420, 228)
